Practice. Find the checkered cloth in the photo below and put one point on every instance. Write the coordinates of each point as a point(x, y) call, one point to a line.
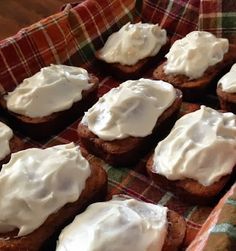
point(73, 35)
point(180, 17)
point(219, 230)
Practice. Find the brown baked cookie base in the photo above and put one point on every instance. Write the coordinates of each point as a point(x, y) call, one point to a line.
point(176, 232)
point(128, 151)
point(43, 127)
point(189, 189)
point(95, 189)
point(227, 100)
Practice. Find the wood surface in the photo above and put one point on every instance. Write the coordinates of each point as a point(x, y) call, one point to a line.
point(16, 14)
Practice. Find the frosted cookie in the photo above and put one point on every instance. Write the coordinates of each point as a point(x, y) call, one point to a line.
point(51, 99)
point(197, 158)
point(41, 189)
point(124, 224)
point(133, 48)
point(194, 61)
point(125, 122)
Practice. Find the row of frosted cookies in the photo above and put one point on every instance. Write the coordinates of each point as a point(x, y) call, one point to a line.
point(193, 64)
point(42, 190)
point(129, 120)
point(157, 102)
point(195, 160)
point(123, 123)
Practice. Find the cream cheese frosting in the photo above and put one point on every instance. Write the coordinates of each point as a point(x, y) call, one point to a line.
point(132, 43)
point(201, 146)
point(193, 54)
point(38, 182)
point(54, 88)
point(132, 109)
point(119, 224)
point(228, 81)
point(6, 134)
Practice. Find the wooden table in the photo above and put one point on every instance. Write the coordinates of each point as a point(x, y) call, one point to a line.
point(16, 14)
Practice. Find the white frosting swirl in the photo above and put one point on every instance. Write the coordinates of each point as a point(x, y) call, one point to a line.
point(132, 43)
point(55, 88)
point(193, 54)
point(36, 183)
point(5, 136)
point(201, 146)
point(228, 81)
point(117, 225)
point(132, 109)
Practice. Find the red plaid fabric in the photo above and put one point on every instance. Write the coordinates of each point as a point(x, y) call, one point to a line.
point(70, 36)
point(219, 17)
point(177, 17)
point(219, 230)
point(180, 17)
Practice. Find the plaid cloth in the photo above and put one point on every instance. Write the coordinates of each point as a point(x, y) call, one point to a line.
point(219, 230)
point(177, 17)
point(72, 36)
point(219, 17)
point(180, 17)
